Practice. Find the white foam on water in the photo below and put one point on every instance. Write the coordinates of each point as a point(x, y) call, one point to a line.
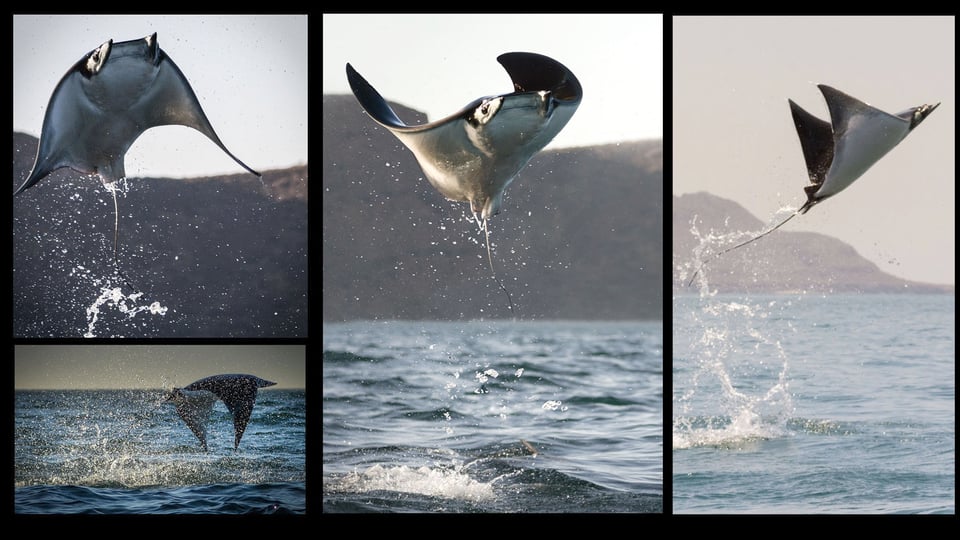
point(434, 482)
point(553, 405)
point(741, 432)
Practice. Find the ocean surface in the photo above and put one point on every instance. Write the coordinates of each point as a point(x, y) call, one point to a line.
point(814, 403)
point(493, 416)
point(123, 452)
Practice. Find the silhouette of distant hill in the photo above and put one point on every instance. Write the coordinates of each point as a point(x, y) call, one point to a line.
point(580, 235)
point(226, 255)
point(782, 261)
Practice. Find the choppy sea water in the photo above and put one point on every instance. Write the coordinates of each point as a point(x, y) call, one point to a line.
point(493, 417)
point(123, 452)
point(814, 404)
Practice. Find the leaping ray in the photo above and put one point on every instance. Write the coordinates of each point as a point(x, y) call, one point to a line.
point(195, 401)
point(105, 102)
point(840, 151)
point(474, 154)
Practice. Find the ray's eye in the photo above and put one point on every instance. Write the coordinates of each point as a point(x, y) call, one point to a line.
point(487, 109)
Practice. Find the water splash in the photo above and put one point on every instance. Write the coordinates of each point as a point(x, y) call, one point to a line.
point(553, 405)
point(738, 388)
point(113, 297)
point(449, 483)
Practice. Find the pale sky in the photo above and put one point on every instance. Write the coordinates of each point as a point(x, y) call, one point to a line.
point(152, 366)
point(439, 63)
point(734, 137)
point(249, 73)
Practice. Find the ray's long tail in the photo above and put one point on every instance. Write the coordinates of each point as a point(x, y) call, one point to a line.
point(740, 245)
point(493, 273)
point(116, 241)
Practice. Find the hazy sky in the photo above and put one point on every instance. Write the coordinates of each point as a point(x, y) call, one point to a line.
point(439, 63)
point(734, 136)
point(152, 366)
point(249, 73)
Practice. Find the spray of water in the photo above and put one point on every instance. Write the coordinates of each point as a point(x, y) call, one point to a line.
point(733, 374)
point(111, 295)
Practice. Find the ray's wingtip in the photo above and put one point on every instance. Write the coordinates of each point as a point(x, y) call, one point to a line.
point(28, 183)
point(352, 73)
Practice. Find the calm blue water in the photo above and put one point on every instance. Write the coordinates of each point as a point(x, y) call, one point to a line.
point(117, 451)
point(814, 404)
point(430, 416)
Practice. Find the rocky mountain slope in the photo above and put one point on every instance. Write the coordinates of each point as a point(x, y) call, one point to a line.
point(783, 261)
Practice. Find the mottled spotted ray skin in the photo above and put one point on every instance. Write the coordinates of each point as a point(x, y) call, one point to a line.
point(195, 401)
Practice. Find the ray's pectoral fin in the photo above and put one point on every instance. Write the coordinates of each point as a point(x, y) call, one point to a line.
point(816, 142)
point(372, 101)
point(172, 101)
point(194, 409)
point(532, 72)
point(240, 404)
